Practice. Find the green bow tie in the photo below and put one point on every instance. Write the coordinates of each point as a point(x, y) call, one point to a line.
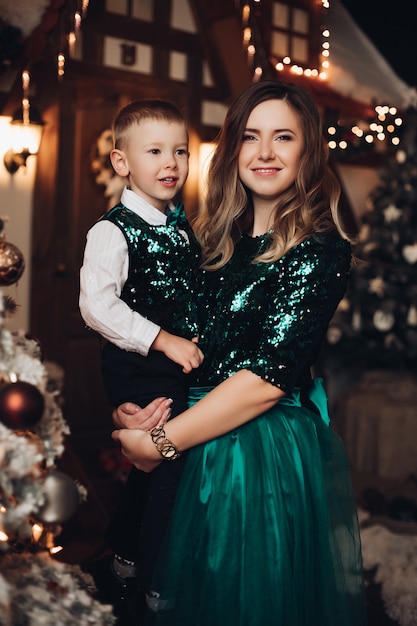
point(176, 217)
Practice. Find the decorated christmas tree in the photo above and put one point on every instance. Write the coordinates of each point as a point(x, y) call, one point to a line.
point(375, 326)
point(36, 498)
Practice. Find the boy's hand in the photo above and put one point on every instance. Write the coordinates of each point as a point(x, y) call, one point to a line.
point(129, 415)
point(182, 351)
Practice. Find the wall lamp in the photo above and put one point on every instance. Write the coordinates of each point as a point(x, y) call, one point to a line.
point(26, 129)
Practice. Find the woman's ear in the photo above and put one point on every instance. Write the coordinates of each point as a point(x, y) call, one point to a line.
point(119, 161)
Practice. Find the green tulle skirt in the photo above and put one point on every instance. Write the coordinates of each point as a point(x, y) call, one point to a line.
point(264, 530)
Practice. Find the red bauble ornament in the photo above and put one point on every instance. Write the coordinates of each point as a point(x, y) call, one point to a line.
point(21, 405)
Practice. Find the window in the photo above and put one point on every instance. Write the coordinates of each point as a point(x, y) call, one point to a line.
point(290, 30)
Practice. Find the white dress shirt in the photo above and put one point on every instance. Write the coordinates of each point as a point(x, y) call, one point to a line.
point(102, 276)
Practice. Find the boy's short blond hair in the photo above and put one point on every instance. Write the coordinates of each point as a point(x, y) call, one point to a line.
point(140, 110)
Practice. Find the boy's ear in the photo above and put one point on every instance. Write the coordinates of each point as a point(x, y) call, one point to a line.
point(119, 161)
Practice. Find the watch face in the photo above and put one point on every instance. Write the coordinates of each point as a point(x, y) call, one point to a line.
point(168, 450)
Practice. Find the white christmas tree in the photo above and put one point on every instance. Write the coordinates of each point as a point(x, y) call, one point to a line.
point(36, 498)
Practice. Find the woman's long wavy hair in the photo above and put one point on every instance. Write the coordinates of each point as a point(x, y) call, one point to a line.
point(309, 206)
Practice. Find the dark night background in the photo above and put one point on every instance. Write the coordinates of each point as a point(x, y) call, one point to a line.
point(391, 26)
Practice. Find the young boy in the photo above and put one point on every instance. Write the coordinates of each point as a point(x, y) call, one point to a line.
point(138, 291)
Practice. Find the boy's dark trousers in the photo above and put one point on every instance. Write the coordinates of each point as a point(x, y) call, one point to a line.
point(138, 525)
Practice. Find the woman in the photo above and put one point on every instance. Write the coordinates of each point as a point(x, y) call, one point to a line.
point(264, 529)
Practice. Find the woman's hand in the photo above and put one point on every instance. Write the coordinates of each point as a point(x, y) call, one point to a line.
point(129, 415)
point(138, 447)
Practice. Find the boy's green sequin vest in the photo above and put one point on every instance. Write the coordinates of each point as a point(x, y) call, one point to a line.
point(163, 270)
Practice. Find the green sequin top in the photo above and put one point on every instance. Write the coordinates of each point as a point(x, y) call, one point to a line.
point(163, 270)
point(271, 318)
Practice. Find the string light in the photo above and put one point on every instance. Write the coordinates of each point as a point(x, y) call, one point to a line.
point(71, 43)
point(85, 4)
point(245, 13)
point(3, 535)
point(372, 131)
point(69, 37)
point(61, 64)
point(77, 22)
point(37, 532)
point(364, 132)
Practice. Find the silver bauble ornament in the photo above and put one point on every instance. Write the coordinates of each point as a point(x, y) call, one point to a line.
point(12, 263)
point(61, 498)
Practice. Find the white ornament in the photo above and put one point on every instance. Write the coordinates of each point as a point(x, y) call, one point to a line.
point(412, 316)
point(356, 320)
point(391, 213)
point(401, 156)
point(334, 335)
point(383, 320)
point(377, 286)
point(410, 254)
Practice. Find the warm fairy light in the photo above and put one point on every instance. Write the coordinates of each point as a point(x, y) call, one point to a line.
point(3, 535)
point(71, 43)
point(246, 13)
point(376, 130)
point(25, 80)
point(61, 64)
point(55, 549)
point(13, 377)
point(77, 22)
point(25, 99)
point(85, 4)
point(247, 36)
point(37, 530)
